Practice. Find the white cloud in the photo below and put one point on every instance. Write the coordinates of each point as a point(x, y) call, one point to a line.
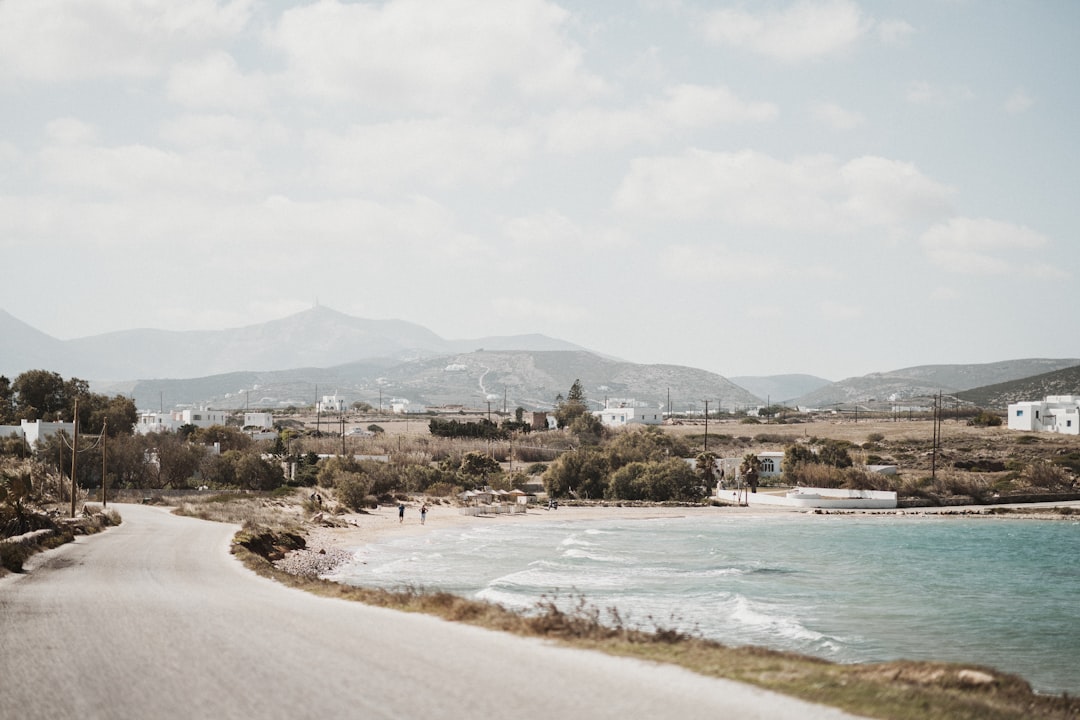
point(70, 131)
point(923, 93)
point(523, 310)
point(837, 117)
point(804, 30)
point(215, 81)
point(682, 107)
point(65, 40)
point(833, 310)
point(720, 263)
point(438, 153)
point(879, 191)
point(200, 131)
point(443, 56)
point(754, 189)
point(129, 172)
point(893, 32)
point(980, 246)
point(1018, 102)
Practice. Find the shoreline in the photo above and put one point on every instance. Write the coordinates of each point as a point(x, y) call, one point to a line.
point(329, 546)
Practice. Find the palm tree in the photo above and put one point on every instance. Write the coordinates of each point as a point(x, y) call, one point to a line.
point(749, 470)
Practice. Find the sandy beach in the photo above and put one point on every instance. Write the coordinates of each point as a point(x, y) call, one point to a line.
point(329, 546)
point(380, 524)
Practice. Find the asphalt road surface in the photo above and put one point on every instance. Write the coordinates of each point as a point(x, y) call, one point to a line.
point(154, 619)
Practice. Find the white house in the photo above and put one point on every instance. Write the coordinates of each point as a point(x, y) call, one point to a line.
point(149, 422)
point(626, 415)
point(331, 404)
point(260, 420)
point(1057, 413)
point(34, 430)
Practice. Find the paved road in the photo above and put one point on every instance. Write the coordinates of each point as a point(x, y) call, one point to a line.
point(153, 619)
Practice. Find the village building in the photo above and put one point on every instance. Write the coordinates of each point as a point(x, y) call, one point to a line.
point(33, 431)
point(1056, 414)
point(150, 422)
point(625, 413)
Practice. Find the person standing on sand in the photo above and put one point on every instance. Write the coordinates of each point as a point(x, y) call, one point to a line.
point(401, 512)
point(423, 513)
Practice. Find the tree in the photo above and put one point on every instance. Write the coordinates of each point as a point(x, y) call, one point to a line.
point(582, 472)
point(479, 465)
point(177, 460)
point(750, 469)
point(573, 407)
point(227, 438)
point(706, 468)
point(39, 394)
point(120, 413)
point(587, 428)
point(254, 473)
point(835, 453)
point(7, 402)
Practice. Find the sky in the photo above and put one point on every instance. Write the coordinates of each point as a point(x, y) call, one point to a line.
point(828, 187)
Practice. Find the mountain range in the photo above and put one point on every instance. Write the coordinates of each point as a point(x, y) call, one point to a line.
point(297, 359)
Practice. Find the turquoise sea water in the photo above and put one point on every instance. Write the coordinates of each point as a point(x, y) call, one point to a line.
point(998, 592)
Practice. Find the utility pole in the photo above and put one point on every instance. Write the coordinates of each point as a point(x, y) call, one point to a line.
point(936, 437)
point(104, 464)
point(706, 426)
point(74, 456)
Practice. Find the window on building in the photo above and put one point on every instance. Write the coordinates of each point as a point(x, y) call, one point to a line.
point(767, 465)
point(1019, 413)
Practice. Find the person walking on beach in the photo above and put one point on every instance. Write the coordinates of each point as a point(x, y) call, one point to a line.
point(401, 512)
point(423, 513)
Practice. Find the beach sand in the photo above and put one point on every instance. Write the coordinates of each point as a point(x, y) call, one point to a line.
point(330, 546)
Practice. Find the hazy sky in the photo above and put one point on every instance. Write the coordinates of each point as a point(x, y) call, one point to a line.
point(830, 187)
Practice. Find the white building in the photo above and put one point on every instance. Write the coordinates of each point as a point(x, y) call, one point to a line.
point(1057, 413)
point(629, 415)
point(34, 430)
point(331, 404)
point(260, 420)
point(164, 422)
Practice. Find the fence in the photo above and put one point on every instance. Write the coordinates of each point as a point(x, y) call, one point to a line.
point(504, 509)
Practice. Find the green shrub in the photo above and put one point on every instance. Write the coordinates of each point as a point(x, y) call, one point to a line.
point(353, 490)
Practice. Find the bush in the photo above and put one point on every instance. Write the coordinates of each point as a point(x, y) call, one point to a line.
point(985, 419)
point(812, 474)
point(12, 556)
point(875, 437)
point(353, 490)
point(1044, 475)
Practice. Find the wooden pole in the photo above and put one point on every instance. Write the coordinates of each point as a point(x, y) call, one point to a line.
point(74, 456)
point(104, 464)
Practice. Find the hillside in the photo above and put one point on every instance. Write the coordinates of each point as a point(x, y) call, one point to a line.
point(318, 337)
point(998, 396)
point(528, 379)
point(780, 388)
point(926, 380)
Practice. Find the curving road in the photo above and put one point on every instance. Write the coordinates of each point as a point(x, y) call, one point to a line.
point(154, 619)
